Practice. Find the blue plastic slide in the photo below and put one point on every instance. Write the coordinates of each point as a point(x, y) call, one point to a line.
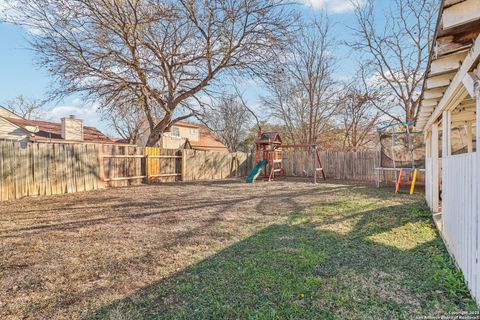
point(256, 171)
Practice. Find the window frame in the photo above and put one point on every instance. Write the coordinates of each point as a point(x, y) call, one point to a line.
point(177, 130)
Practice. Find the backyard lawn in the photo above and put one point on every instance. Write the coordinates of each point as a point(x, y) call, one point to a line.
point(226, 250)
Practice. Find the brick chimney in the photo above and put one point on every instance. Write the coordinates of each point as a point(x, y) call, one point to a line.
point(72, 129)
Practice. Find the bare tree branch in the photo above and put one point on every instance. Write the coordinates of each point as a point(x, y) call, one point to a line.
point(396, 51)
point(301, 92)
point(166, 52)
point(26, 108)
point(229, 119)
point(358, 117)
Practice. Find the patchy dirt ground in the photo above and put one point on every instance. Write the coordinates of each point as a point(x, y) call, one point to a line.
point(78, 255)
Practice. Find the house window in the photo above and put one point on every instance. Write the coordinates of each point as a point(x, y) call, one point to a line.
point(175, 132)
point(194, 132)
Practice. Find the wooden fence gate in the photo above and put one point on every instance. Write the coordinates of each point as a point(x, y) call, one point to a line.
point(163, 164)
point(130, 165)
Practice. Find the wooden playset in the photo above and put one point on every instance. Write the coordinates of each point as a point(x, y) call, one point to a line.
point(269, 156)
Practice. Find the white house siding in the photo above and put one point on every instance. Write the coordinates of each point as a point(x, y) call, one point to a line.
point(453, 72)
point(11, 131)
point(461, 229)
point(170, 142)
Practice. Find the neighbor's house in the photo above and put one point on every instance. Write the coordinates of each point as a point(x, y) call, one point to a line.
point(190, 136)
point(14, 127)
point(449, 117)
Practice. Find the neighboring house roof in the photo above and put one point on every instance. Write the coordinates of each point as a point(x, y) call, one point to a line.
point(207, 141)
point(53, 131)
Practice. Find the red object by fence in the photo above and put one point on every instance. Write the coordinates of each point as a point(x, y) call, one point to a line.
point(398, 181)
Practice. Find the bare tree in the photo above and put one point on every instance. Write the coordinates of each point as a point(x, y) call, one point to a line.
point(125, 114)
point(26, 108)
point(396, 51)
point(130, 126)
point(358, 117)
point(229, 120)
point(166, 52)
point(301, 92)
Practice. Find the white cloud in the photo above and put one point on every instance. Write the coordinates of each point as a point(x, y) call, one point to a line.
point(3, 7)
point(82, 112)
point(334, 6)
point(10, 10)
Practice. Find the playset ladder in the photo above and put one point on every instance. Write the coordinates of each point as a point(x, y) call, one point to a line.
point(275, 165)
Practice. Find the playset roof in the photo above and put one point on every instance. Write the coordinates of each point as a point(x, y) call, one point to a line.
point(270, 137)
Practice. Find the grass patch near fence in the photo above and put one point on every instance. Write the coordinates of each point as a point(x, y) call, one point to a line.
point(360, 253)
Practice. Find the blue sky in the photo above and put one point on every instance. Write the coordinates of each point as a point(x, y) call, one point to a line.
point(19, 75)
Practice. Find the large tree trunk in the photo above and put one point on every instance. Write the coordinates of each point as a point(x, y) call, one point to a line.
point(158, 130)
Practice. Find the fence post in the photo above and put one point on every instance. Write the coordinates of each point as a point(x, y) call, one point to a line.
point(184, 164)
point(147, 168)
point(101, 164)
point(234, 162)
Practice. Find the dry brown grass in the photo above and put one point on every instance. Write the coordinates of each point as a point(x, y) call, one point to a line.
point(66, 256)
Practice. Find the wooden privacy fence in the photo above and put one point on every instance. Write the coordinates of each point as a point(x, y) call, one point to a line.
point(125, 166)
point(163, 164)
point(337, 165)
point(56, 168)
point(121, 165)
point(358, 166)
point(206, 165)
point(37, 169)
point(46, 169)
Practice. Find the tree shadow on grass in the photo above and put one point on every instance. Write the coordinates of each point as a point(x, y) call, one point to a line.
point(267, 205)
point(383, 267)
